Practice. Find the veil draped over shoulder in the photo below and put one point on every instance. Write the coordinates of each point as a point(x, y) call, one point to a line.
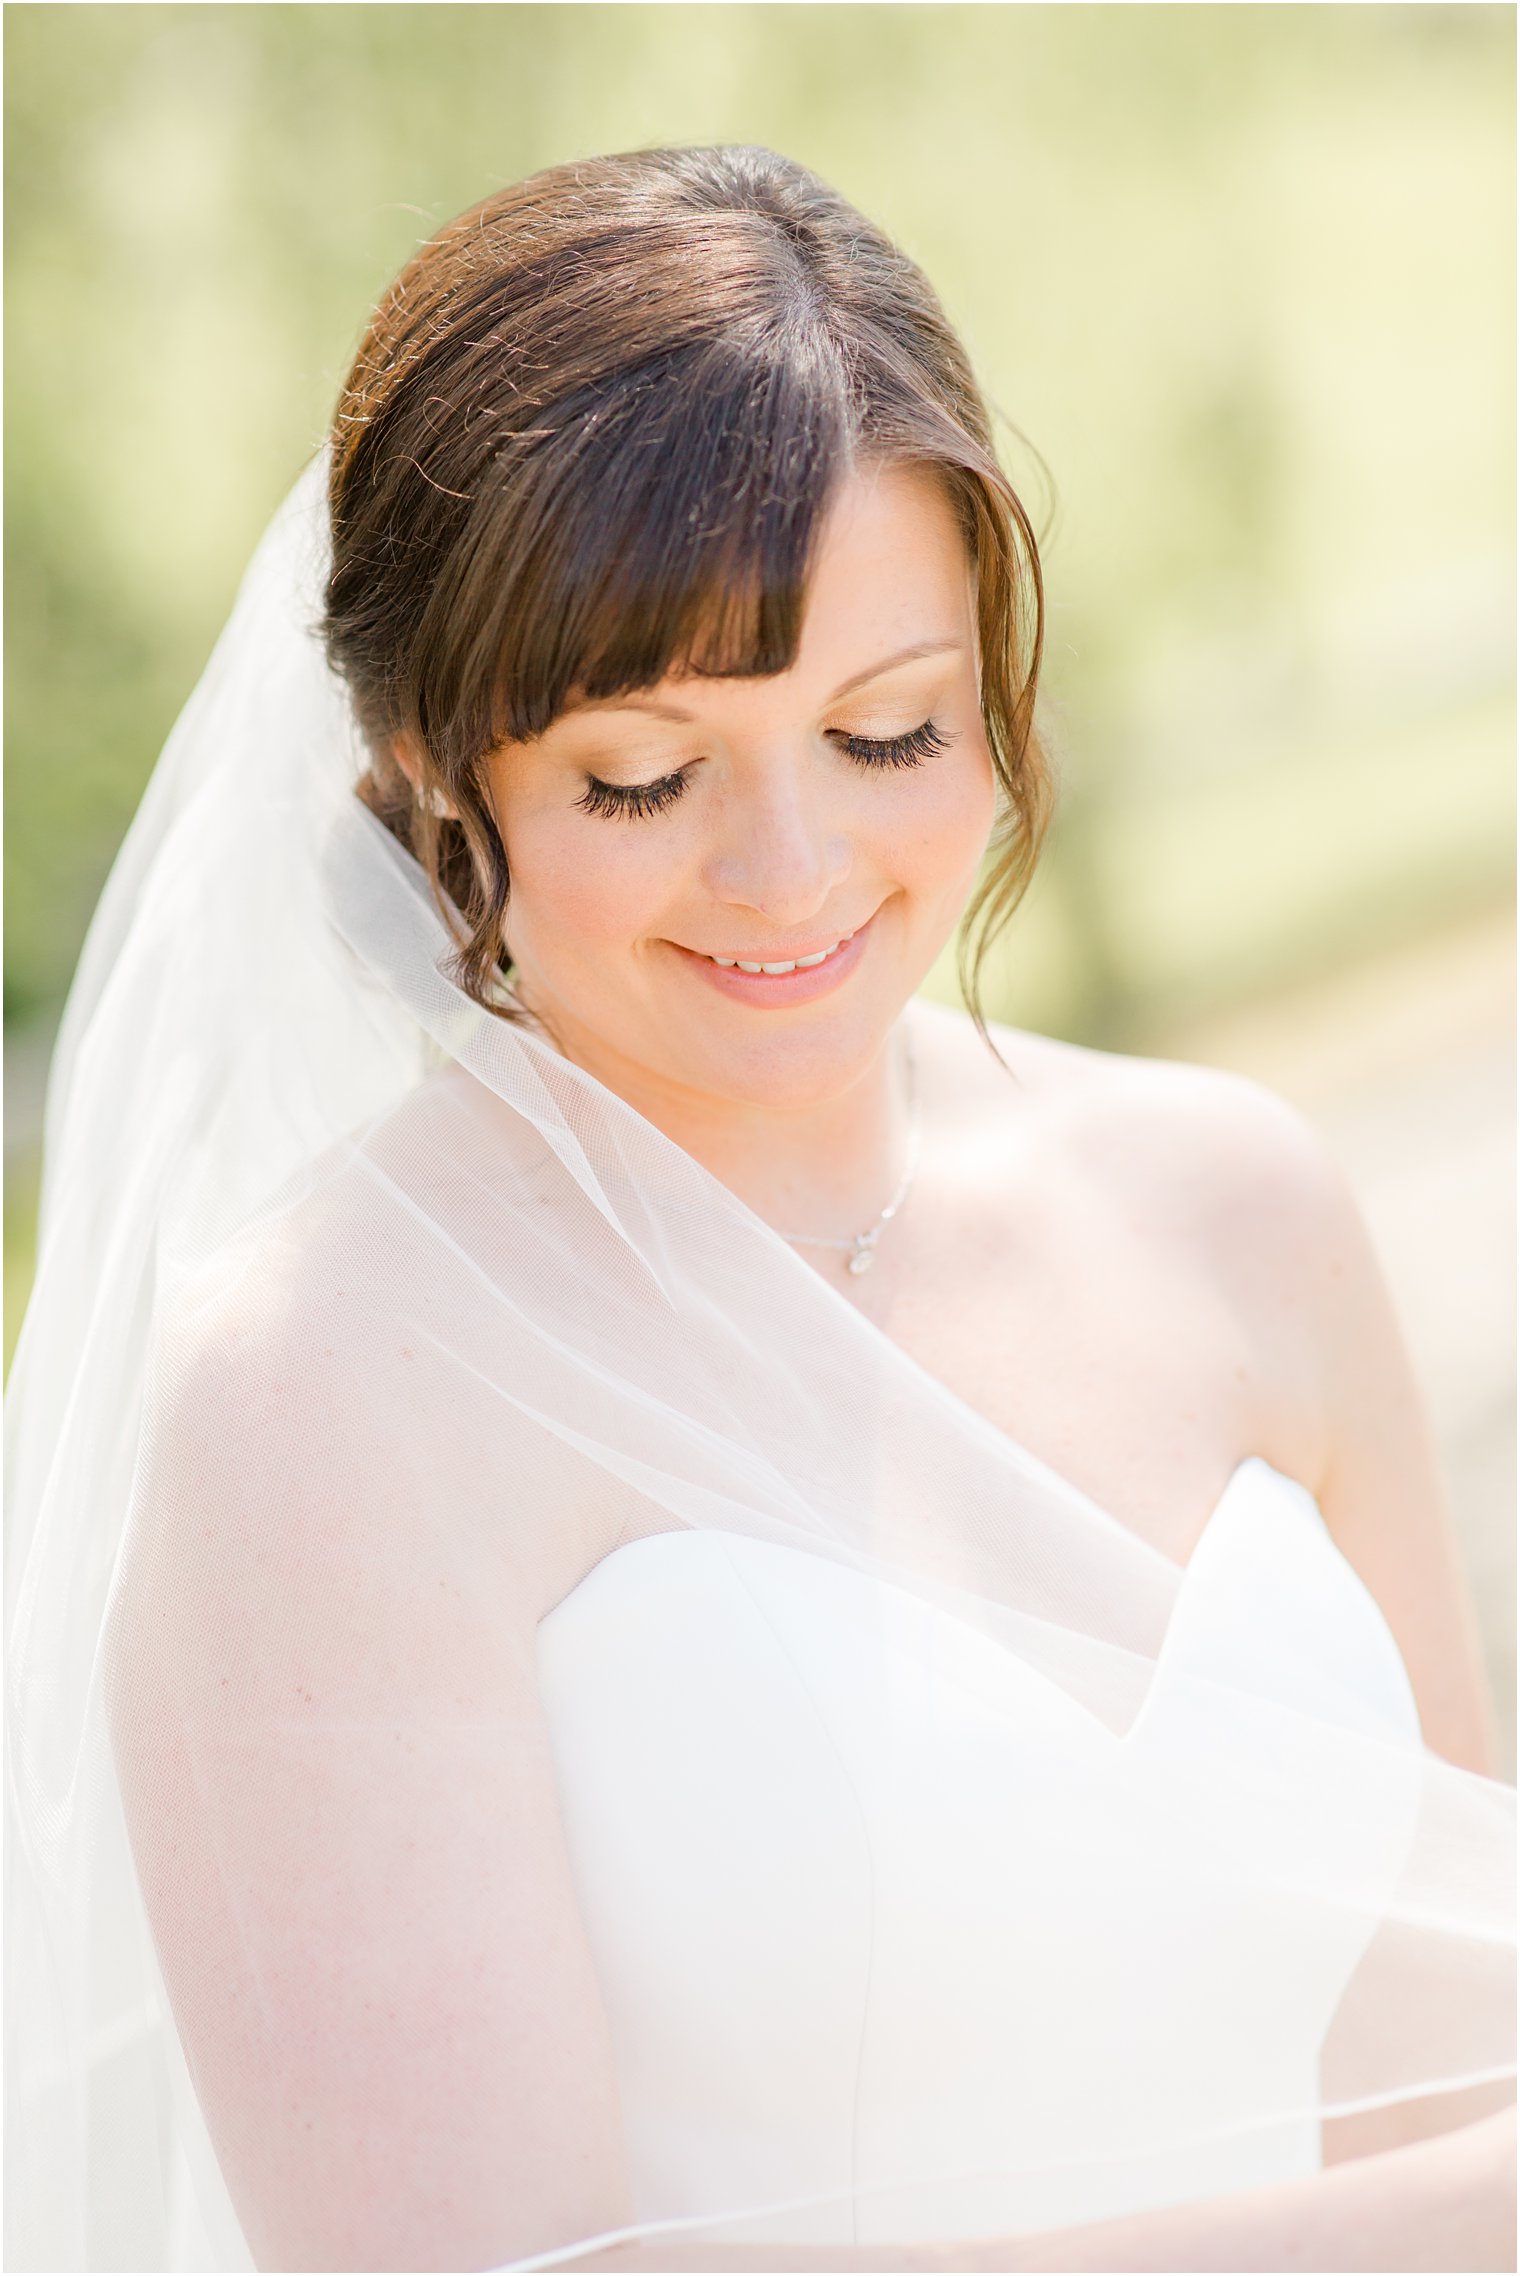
point(949, 1861)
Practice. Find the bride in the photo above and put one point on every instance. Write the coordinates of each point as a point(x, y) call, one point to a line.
point(669, 1609)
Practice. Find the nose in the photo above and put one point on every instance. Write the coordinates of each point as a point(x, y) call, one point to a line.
point(779, 852)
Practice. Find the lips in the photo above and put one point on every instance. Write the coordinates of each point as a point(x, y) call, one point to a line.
point(774, 982)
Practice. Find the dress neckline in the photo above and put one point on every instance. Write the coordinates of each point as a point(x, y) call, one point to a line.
point(1247, 1466)
point(1192, 1577)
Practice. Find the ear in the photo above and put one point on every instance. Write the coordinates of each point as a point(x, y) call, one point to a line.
point(404, 752)
point(408, 757)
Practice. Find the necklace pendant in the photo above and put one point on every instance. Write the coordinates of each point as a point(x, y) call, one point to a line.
point(865, 1246)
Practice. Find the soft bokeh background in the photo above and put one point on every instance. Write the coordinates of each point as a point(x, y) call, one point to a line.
point(1244, 276)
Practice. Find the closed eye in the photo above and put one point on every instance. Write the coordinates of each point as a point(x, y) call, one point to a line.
point(632, 798)
point(908, 750)
point(639, 799)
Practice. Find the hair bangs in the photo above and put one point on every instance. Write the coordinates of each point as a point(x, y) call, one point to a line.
point(677, 533)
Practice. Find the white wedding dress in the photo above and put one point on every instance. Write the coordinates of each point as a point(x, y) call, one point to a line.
point(820, 1962)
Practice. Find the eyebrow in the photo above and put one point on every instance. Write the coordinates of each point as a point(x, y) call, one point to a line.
point(655, 710)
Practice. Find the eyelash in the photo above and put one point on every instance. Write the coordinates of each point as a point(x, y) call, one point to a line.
point(640, 799)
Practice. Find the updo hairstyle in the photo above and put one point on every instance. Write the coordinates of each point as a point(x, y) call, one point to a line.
point(589, 439)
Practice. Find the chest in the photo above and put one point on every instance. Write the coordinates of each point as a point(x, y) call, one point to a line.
point(1092, 1335)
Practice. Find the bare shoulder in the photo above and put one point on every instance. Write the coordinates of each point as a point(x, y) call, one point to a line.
point(328, 1398)
point(1182, 1192)
point(327, 1324)
point(1189, 1146)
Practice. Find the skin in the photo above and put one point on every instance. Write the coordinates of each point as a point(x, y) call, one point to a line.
point(1143, 1271)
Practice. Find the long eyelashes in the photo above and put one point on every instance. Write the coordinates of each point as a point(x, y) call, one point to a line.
point(897, 750)
point(635, 799)
point(639, 799)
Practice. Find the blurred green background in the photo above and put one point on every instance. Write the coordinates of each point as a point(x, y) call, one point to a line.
point(1244, 276)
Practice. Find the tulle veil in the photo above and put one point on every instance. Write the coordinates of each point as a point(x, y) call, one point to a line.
point(320, 1238)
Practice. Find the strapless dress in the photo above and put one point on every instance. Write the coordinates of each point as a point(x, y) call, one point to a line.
point(862, 1985)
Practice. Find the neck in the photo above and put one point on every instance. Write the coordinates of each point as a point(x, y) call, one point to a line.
point(826, 1167)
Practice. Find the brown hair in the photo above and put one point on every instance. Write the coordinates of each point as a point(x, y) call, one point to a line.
point(588, 439)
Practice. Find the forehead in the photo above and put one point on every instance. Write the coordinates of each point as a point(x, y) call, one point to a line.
point(890, 538)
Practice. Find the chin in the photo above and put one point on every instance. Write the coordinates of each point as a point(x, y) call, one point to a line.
point(805, 1066)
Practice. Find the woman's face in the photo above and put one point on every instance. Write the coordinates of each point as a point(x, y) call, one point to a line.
point(661, 841)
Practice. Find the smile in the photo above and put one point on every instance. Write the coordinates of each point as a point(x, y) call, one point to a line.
point(794, 964)
point(776, 983)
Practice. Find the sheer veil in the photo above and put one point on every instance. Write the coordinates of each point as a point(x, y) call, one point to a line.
point(331, 1259)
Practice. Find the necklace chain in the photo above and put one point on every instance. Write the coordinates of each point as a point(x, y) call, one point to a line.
point(861, 1247)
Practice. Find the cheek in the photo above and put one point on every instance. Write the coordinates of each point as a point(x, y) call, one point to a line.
point(571, 895)
point(941, 821)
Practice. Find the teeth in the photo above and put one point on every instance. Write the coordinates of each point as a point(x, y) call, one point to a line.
point(796, 964)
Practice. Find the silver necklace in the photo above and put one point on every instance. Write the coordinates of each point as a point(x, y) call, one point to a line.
point(861, 1247)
